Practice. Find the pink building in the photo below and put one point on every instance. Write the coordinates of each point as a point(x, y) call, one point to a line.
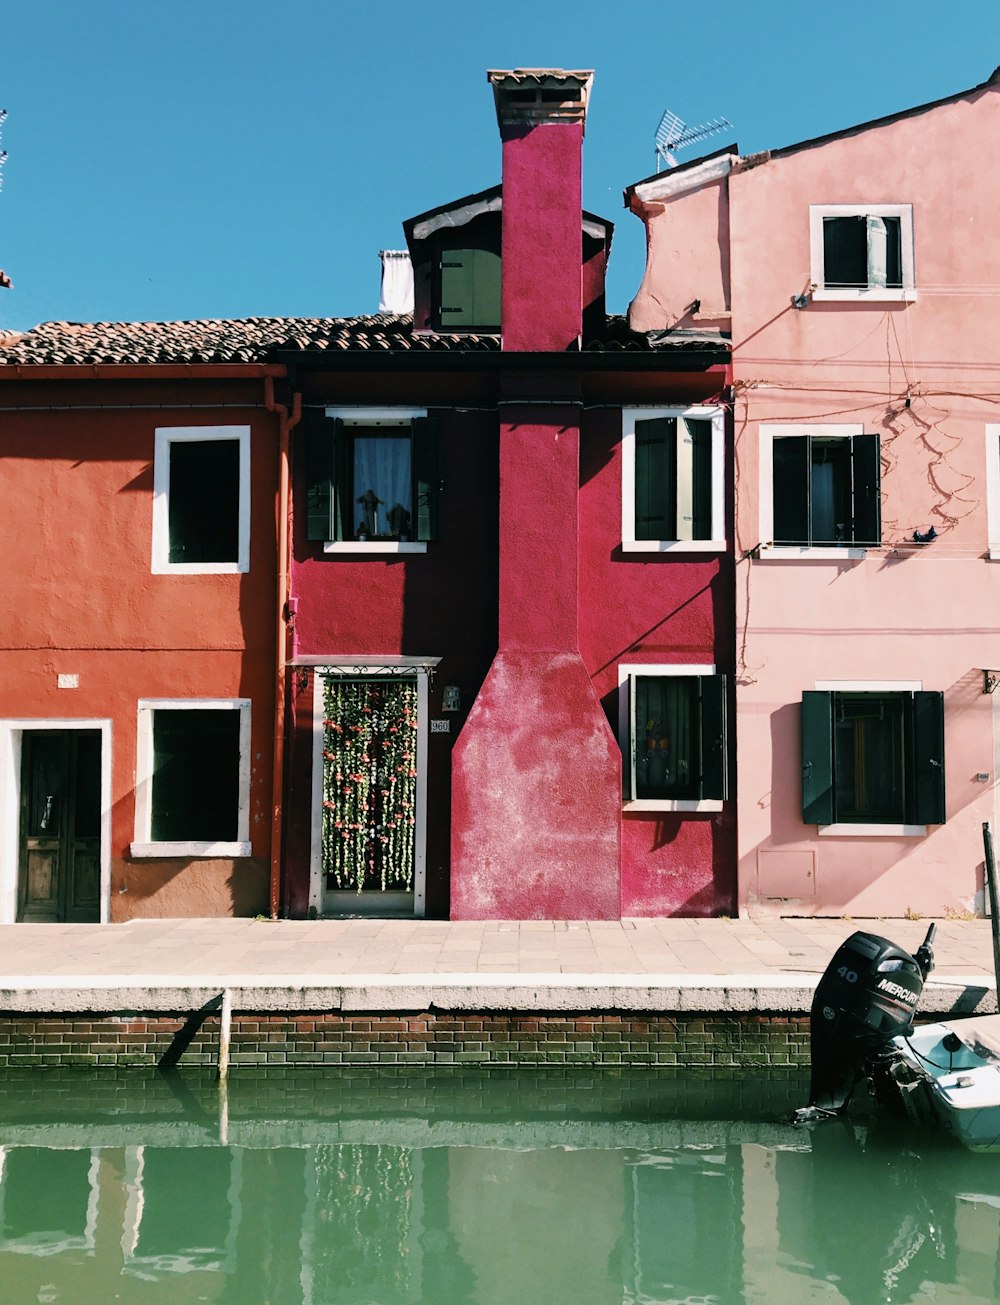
point(859, 275)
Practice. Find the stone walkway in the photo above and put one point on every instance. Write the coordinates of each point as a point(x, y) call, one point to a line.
point(665, 964)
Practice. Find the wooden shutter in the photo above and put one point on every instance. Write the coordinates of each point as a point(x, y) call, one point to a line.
point(656, 478)
point(700, 431)
point(714, 753)
point(629, 742)
point(928, 759)
point(428, 477)
point(817, 757)
point(791, 457)
point(470, 289)
point(867, 489)
point(319, 447)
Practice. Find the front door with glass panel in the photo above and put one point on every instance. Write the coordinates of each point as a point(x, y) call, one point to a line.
point(59, 874)
point(369, 794)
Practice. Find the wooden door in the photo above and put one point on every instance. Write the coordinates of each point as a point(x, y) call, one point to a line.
point(60, 866)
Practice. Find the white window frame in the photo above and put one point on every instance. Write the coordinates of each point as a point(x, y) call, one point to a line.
point(629, 671)
point(166, 436)
point(356, 417)
point(850, 830)
point(144, 846)
point(717, 543)
point(768, 433)
point(906, 293)
point(993, 488)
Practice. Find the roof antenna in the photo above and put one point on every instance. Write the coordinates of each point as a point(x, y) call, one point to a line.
point(672, 134)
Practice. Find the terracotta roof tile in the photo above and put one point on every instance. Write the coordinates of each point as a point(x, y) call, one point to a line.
point(260, 339)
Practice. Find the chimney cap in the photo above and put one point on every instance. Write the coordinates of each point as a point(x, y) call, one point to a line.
point(536, 95)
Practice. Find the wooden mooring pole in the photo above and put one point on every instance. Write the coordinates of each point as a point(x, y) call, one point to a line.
point(225, 1028)
point(991, 885)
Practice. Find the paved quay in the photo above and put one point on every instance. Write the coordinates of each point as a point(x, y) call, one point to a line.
point(724, 965)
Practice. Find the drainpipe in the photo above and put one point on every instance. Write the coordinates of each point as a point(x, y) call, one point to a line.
point(286, 423)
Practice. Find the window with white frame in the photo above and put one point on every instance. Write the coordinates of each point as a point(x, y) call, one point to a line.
point(672, 731)
point(673, 492)
point(820, 489)
point(993, 488)
point(375, 479)
point(193, 777)
point(873, 758)
point(862, 251)
point(201, 500)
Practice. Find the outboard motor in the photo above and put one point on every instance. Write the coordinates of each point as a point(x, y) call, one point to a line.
point(868, 995)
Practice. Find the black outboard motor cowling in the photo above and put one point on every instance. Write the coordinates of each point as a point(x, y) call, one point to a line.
point(868, 995)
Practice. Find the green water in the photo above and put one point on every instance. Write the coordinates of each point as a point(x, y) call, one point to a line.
point(568, 1187)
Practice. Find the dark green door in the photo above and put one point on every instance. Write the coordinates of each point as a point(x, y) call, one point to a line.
point(60, 865)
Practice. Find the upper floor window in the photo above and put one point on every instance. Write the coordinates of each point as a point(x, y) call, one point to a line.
point(469, 290)
point(375, 479)
point(201, 499)
point(672, 731)
point(672, 480)
point(820, 488)
point(873, 755)
point(862, 251)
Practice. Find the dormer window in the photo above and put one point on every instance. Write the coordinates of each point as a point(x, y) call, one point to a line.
point(469, 290)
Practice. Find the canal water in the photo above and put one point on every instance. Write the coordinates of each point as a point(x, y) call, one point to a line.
point(569, 1187)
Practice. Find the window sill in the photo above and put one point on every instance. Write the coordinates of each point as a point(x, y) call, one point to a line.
point(639, 805)
point(906, 295)
point(786, 553)
point(199, 568)
point(872, 831)
point(358, 546)
point(177, 850)
point(673, 546)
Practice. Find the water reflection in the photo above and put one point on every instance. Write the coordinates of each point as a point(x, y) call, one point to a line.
point(477, 1190)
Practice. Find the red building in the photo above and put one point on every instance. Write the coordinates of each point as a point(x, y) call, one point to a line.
point(510, 547)
point(427, 614)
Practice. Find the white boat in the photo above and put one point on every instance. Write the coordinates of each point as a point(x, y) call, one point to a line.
point(950, 1073)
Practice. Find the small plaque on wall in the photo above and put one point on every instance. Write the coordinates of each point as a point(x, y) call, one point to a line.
point(440, 726)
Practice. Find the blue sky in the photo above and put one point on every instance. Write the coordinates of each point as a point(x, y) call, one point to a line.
point(229, 158)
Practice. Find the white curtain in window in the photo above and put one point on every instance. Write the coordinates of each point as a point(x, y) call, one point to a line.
point(877, 253)
point(382, 484)
point(397, 282)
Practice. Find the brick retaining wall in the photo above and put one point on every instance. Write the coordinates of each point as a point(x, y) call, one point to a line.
point(427, 1038)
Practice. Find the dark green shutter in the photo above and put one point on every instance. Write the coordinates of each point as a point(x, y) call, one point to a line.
point(319, 440)
point(928, 759)
point(790, 480)
point(630, 741)
point(428, 477)
point(344, 507)
point(817, 757)
point(866, 474)
point(656, 478)
point(700, 430)
point(470, 289)
point(714, 760)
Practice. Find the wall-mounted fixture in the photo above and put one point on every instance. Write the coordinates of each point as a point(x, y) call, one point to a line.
point(451, 698)
point(990, 680)
point(925, 536)
point(983, 777)
point(804, 299)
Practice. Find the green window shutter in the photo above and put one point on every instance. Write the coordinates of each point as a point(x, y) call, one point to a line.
point(700, 431)
point(343, 482)
point(470, 289)
point(867, 481)
point(630, 743)
point(428, 477)
point(656, 478)
point(928, 759)
point(791, 457)
point(817, 757)
point(319, 447)
point(714, 758)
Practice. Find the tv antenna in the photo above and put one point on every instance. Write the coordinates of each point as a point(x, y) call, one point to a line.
point(672, 134)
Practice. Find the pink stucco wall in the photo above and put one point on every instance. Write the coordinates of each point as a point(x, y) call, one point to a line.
point(924, 376)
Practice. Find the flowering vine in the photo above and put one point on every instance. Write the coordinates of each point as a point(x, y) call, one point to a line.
point(369, 782)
